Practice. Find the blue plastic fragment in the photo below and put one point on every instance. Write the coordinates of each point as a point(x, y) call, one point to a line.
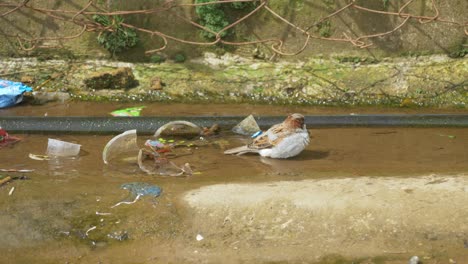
point(11, 93)
point(154, 143)
point(142, 189)
point(256, 134)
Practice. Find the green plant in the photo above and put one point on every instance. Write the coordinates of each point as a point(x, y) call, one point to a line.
point(329, 3)
point(117, 38)
point(179, 58)
point(385, 3)
point(258, 89)
point(241, 5)
point(212, 17)
point(324, 29)
point(460, 52)
point(157, 59)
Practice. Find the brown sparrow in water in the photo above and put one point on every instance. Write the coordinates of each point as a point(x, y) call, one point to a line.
point(281, 141)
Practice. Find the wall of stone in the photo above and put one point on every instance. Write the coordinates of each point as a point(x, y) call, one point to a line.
point(413, 37)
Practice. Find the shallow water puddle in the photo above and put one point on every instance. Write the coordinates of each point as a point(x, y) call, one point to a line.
point(62, 211)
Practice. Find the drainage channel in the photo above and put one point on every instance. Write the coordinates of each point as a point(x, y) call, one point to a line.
point(147, 125)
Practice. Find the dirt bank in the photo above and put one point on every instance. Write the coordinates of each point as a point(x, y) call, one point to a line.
point(353, 217)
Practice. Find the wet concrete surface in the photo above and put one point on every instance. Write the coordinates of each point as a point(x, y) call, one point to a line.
point(347, 216)
point(401, 192)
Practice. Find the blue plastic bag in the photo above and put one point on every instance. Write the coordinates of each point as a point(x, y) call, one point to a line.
point(11, 93)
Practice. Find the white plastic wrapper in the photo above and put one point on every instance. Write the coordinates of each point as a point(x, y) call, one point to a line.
point(247, 127)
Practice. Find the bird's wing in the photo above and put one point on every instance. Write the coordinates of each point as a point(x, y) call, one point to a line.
point(271, 137)
point(261, 142)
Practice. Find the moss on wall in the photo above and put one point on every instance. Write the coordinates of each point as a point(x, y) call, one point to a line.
point(436, 81)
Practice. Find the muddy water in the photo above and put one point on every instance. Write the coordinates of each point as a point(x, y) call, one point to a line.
point(46, 218)
point(163, 109)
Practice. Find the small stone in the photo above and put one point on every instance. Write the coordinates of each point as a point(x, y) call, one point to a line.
point(213, 130)
point(199, 237)
point(45, 97)
point(56, 75)
point(27, 79)
point(120, 78)
point(99, 244)
point(156, 84)
point(407, 102)
point(118, 235)
point(431, 236)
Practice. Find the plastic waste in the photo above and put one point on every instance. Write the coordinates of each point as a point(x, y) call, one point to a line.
point(38, 157)
point(90, 229)
point(62, 148)
point(211, 131)
point(142, 189)
point(158, 146)
point(256, 134)
point(132, 111)
point(122, 143)
point(11, 93)
point(3, 135)
point(414, 260)
point(160, 165)
point(137, 190)
point(247, 127)
point(16, 170)
point(154, 143)
point(62, 158)
point(4, 180)
point(181, 128)
point(178, 128)
point(449, 136)
point(6, 139)
point(11, 191)
point(63, 166)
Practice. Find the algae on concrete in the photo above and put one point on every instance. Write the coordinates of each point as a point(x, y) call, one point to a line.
point(436, 81)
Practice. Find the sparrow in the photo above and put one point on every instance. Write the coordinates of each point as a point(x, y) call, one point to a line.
point(281, 141)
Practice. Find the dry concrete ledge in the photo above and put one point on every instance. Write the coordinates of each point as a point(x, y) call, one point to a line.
point(393, 217)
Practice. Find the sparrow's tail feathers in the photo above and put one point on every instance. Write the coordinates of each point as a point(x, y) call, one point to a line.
point(241, 150)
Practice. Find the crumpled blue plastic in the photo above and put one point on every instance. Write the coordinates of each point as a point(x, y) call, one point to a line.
point(141, 189)
point(11, 93)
